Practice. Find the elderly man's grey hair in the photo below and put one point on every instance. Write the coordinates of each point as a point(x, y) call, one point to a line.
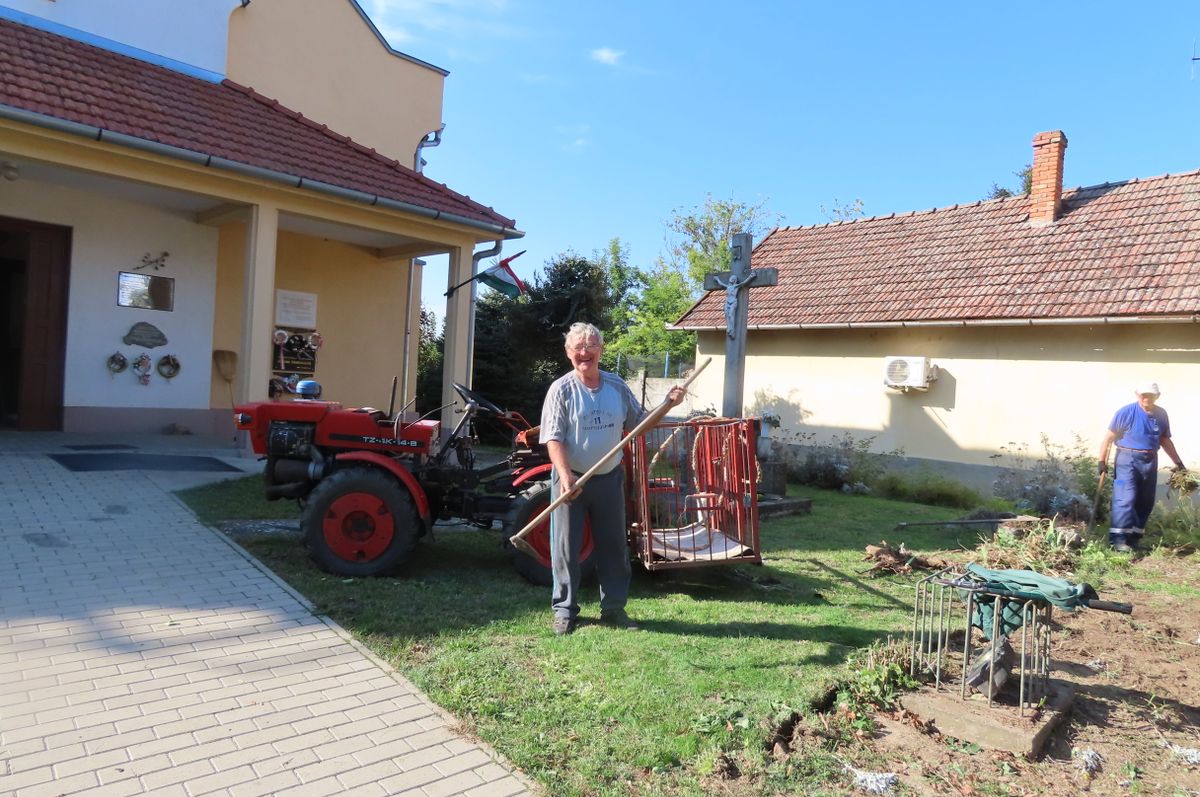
point(581, 331)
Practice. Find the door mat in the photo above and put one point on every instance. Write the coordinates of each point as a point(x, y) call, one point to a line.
point(95, 462)
point(102, 447)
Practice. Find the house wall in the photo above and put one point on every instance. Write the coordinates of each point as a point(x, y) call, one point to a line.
point(998, 386)
point(360, 312)
point(321, 58)
point(110, 235)
point(193, 32)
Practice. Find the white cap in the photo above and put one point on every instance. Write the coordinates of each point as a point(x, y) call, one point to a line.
point(1145, 388)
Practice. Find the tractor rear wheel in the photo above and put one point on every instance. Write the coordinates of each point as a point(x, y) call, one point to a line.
point(536, 569)
point(360, 522)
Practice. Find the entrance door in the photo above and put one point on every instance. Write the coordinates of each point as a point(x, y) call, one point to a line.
point(34, 271)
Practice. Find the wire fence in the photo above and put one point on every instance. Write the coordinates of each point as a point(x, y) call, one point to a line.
point(664, 366)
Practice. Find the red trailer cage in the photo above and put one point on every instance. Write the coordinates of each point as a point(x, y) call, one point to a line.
point(694, 494)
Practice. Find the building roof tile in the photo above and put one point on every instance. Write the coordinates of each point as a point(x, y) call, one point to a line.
point(51, 75)
point(1118, 249)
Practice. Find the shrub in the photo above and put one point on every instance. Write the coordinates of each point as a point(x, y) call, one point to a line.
point(1175, 526)
point(1062, 482)
point(928, 487)
point(845, 463)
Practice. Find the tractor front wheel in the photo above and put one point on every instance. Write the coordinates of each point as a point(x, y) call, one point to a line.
point(360, 522)
point(536, 569)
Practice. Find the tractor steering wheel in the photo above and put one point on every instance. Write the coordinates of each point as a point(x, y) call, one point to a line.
point(483, 404)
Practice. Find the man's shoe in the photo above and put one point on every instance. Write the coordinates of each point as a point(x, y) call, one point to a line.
point(1121, 547)
point(563, 626)
point(617, 618)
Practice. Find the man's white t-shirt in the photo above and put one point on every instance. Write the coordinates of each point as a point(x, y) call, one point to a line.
point(589, 423)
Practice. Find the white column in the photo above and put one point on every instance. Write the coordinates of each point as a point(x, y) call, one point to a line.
point(412, 333)
point(456, 364)
point(258, 303)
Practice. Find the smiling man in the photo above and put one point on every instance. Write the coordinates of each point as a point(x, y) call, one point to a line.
point(584, 417)
point(1138, 429)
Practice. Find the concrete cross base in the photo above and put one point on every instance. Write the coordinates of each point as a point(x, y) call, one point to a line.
point(772, 477)
point(776, 506)
point(999, 727)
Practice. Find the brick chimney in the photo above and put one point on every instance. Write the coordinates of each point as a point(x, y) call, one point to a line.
point(1045, 191)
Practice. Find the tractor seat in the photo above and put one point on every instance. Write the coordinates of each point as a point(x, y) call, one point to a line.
point(379, 416)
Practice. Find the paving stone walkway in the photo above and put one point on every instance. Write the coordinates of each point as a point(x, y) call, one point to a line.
point(143, 653)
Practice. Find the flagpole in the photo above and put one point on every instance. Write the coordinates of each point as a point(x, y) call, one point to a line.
point(464, 282)
point(503, 262)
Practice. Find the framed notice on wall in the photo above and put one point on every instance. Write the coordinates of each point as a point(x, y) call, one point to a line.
point(295, 309)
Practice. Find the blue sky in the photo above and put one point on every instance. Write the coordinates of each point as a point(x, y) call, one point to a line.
point(586, 121)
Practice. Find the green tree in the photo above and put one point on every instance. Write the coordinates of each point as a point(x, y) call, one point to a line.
point(665, 297)
point(843, 211)
point(626, 282)
point(1025, 175)
point(519, 343)
point(429, 361)
point(704, 233)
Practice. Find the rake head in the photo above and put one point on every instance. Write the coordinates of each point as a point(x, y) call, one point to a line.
point(519, 543)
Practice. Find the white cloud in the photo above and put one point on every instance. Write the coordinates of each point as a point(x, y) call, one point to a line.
point(403, 21)
point(607, 55)
point(574, 138)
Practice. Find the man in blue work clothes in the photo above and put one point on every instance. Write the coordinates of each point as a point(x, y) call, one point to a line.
point(1139, 430)
point(584, 417)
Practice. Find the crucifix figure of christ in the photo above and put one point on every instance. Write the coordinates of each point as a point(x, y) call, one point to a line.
point(732, 287)
point(739, 277)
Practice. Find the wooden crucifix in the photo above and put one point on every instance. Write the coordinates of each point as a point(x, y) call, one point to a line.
point(737, 305)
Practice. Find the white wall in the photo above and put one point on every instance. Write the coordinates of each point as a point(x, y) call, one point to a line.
point(110, 236)
point(194, 32)
point(999, 387)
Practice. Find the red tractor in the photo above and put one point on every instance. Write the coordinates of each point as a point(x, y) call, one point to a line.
point(371, 485)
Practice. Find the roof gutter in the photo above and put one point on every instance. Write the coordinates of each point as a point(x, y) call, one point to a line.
point(224, 164)
point(1191, 318)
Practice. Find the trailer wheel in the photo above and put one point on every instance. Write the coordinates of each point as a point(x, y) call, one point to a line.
point(360, 522)
point(536, 570)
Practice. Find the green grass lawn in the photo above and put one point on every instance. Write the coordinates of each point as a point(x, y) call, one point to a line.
point(723, 651)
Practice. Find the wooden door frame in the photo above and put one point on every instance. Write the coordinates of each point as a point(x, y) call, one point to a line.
point(44, 333)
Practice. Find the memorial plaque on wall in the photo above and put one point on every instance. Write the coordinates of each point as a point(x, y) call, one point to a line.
point(295, 309)
point(295, 354)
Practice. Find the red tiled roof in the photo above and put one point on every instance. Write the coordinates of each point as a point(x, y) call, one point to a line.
point(63, 78)
point(1123, 249)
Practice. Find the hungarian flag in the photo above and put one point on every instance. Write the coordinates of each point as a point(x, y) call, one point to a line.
point(501, 278)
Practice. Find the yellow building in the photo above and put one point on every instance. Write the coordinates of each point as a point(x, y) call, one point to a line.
point(955, 332)
point(201, 201)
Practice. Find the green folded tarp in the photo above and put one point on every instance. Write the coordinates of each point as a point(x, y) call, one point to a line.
point(1013, 588)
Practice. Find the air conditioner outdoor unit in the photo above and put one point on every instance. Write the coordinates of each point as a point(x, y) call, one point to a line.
point(908, 373)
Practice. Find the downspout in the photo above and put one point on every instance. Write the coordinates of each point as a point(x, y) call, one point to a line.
point(475, 258)
point(406, 359)
point(432, 139)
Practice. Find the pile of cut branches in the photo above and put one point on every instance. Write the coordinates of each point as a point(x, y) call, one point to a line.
point(1042, 546)
point(889, 559)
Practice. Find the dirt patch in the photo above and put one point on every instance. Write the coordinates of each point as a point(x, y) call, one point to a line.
point(1137, 693)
